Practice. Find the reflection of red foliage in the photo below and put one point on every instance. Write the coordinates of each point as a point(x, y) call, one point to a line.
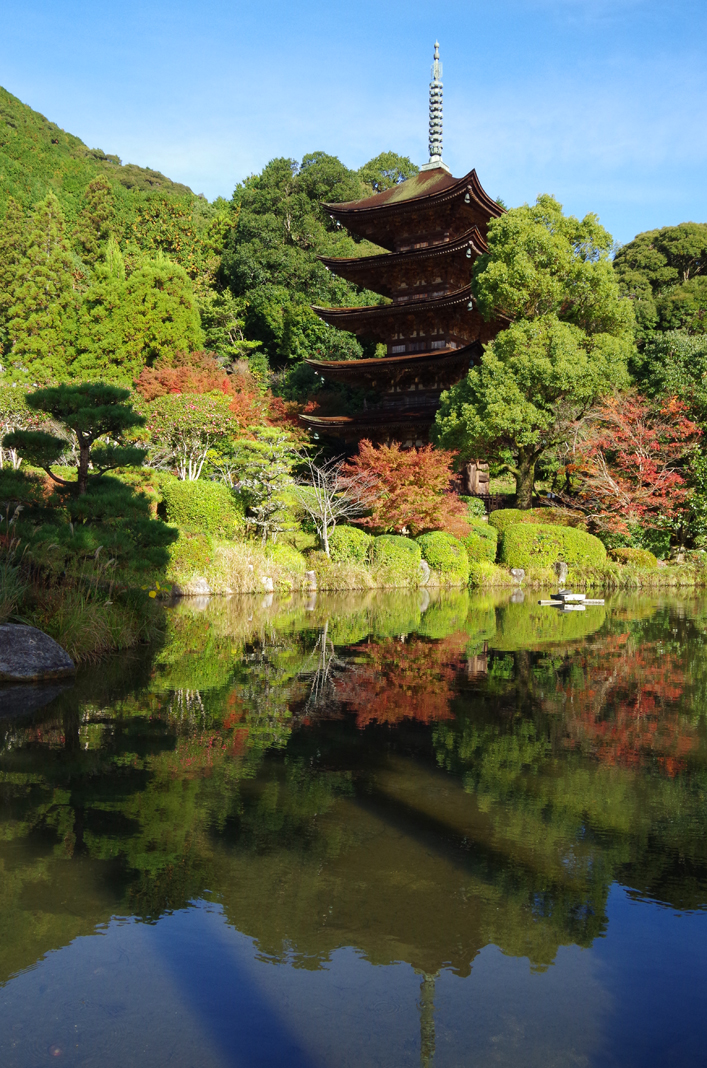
point(403, 680)
point(622, 710)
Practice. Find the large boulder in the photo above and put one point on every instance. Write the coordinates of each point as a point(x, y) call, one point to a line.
point(29, 655)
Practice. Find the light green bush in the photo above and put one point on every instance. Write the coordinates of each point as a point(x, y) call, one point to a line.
point(287, 557)
point(639, 557)
point(349, 545)
point(541, 545)
point(395, 561)
point(446, 557)
point(476, 507)
point(203, 507)
point(482, 542)
point(559, 517)
point(191, 555)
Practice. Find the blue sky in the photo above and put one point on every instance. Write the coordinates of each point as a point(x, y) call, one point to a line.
point(601, 102)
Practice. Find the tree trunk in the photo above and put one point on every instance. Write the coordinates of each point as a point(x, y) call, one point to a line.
point(525, 480)
point(84, 456)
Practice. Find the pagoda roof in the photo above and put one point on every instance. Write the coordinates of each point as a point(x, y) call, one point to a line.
point(355, 427)
point(355, 318)
point(397, 366)
point(428, 188)
point(365, 265)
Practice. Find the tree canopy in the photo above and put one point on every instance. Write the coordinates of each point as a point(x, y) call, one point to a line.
point(568, 340)
point(664, 272)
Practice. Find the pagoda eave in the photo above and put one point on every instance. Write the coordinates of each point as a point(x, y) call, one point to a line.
point(393, 201)
point(371, 312)
point(411, 426)
point(439, 369)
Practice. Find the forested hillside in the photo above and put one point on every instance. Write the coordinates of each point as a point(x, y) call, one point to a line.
point(108, 268)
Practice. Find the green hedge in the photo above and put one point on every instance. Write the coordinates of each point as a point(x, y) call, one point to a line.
point(558, 517)
point(542, 545)
point(446, 556)
point(395, 561)
point(202, 507)
point(482, 542)
point(639, 557)
point(349, 545)
point(190, 555)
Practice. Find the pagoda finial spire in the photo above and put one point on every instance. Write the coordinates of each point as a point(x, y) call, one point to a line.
point(435, 142)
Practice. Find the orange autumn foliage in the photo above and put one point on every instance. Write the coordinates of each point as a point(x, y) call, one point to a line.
point(399, 680)
point(411, 488)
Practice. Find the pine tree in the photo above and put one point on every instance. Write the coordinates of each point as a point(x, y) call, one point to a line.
point(101, 347)
point(13, 247)
point(162, 317)
point(96, 222)
point(42, 316)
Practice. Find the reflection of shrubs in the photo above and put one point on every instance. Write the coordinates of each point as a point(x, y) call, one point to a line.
point(395, 561)
point(446, 557)
point(202, 507)
point(481, 543)
point(541, 545)
point(349, 545)
point(639, 557)
point(445, 616)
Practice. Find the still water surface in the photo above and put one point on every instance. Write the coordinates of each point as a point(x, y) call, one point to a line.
point(364, 830)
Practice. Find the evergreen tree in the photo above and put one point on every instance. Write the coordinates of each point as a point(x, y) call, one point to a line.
point(96, 222)
point(13, 247)
point(92, 410)
point(42, 316)
point(101, 347)
point(161, 314)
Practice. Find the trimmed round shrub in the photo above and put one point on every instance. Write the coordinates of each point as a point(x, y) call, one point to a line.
point(557, 517)
point(504, 517)
point(542, 545)
point(190, 555)
point(203, 507)
point(446, 556)
point(349, 545)
point(638, 557)
point(481, 543)
point(395, 561)
point(286, 556)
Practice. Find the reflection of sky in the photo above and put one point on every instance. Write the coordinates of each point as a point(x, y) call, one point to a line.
point(192, 991)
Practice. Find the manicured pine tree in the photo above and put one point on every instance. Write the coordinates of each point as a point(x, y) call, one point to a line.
point(42, 316)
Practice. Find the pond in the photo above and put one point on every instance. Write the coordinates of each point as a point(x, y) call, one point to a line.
point(353, 830)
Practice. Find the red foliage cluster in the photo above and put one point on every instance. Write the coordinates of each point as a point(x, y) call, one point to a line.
point(200, 372)
point(625, 712)
point(403, 680)
point(411, 489)
point(630, 462)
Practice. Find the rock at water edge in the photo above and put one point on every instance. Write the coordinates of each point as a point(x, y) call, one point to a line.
point(28, 655)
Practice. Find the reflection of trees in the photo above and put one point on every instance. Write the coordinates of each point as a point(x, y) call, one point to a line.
point(397, 679)
point(621, 705)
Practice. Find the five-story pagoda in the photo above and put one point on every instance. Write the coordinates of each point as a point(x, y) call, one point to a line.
point(434, 226)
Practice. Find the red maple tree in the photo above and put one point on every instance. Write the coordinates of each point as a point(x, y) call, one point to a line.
point(411, 489)
point(629, 460)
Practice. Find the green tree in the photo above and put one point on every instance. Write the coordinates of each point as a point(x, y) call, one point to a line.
point(92, 410)
point(96, 222)
point(127, 324)
point(42, 317)
point(664, 273)
point(265, 464)
point(182, 428)
point(13, 248)
point(386, 170)
point(569, 338)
